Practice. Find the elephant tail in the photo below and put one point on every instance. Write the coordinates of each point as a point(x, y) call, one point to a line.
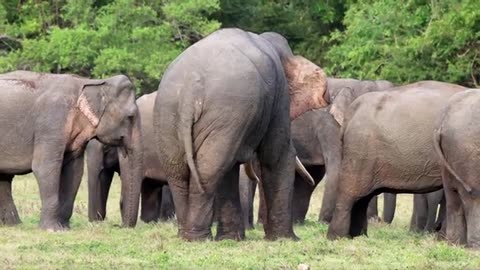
point(437, 143)
point(190, 114)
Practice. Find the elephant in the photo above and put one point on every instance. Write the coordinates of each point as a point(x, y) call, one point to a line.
point(387, 147)
point(46, 122)
point(425, 208)
point(316, 137)
point(456, 144)
point(225, 100)
point(103, 162)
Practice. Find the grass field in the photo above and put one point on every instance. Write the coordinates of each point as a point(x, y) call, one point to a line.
point(105, 245)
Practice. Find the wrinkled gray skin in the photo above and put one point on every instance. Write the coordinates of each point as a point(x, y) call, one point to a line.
point(425, 208)
point(47, 120)
point(387, 147)
point(316, 137)
point(224, 101)
point(456, 142)
point(103, 162)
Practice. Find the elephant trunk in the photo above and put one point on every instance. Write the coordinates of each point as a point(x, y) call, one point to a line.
point(131, 167)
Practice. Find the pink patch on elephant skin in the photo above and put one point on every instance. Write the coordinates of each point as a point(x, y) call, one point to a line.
point(307, 85)
point(84, 107)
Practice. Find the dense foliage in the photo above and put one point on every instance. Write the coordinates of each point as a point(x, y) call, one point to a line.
point(402, 41)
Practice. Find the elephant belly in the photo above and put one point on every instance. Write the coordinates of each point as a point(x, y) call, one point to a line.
point(16, 163)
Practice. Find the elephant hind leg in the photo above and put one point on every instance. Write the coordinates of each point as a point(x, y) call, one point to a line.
point(456, 228)
point(8, 211)
point(213, 163)
point(230, 226)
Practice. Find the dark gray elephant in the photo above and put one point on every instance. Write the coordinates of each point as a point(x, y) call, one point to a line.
point(426, 208)
point(103, 162)
point(225, 100)
point(456, 142)
point(47, 120)
point(387, 147)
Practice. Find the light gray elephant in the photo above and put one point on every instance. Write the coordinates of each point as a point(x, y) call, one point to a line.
point(456, 142)
point(46, 121)
point(227, 99)
point(387, 142)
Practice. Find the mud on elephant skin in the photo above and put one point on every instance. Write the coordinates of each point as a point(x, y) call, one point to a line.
point(47, 120)
point(456, 142)
point(103, 162)
point(209, 121)
point(393, 156)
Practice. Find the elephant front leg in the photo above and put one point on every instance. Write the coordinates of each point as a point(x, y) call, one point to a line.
point(419, 213)
point(230, 222)
point(46, 166)
point(372, 211)
point(8, 211)
point(98, 189)
point(359, 221)
point(70, 179)
point(389, 205)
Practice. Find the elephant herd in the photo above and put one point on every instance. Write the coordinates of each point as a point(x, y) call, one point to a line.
point(233, 112)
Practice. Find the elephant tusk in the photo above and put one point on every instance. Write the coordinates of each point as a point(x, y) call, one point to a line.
point(250, 172)
point(300, 169)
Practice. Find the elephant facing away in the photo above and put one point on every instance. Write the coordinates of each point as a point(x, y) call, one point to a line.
point(456, 142)
point(103, 162)
point(387, 147)
point(225, 100)
point(47, 120)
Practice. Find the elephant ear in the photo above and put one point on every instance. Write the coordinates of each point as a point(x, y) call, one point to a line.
point(340, 104)
point(307, 85)
point(92, 101)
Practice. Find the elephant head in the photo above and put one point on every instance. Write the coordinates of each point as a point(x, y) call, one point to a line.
point(307, 82)
point(109, 105)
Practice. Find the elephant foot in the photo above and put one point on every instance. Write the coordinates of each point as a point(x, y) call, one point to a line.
point(474, 245)
point(374, 219)
point(324, 219)
point(9, 217)
point(237, 236)
point(149, 219)
point(272, 236)
point(333, 234)
point(52, 226)
point(192, 236)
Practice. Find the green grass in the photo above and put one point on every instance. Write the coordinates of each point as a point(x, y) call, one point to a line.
point(156, 246)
